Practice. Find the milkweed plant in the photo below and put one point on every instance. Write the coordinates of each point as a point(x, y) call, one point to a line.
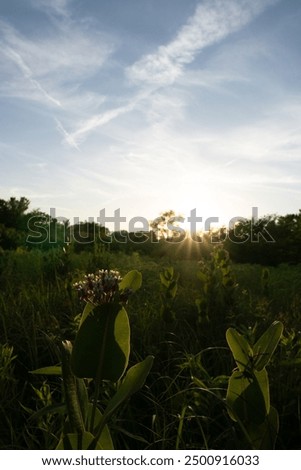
point(100, 352)
point(248, 394)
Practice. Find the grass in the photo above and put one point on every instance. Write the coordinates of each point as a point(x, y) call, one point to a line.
point(182, 404)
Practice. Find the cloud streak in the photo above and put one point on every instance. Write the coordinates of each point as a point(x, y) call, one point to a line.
point(68, 138)
point(213, 20)
point(52, 69)
point(57, 7)
point(28, 75)
point(53, 65)
point(56, 66)
point(99, 120)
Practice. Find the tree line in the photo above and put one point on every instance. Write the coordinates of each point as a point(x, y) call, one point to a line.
point(270, 240)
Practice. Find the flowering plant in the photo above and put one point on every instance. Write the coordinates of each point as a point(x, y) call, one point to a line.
point(100, 352)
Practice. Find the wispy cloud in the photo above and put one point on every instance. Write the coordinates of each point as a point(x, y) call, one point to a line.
point(51, 69)
point(55, 66)
point(68, 138)
point(28, 75)
point(57, 7)
point(213, 20)
point(60, 60)
point(98, 120)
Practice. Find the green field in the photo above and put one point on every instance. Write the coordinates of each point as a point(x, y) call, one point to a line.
point(182, 403)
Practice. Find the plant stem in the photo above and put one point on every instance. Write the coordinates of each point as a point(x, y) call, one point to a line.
point(99, 374)
point(70, 388)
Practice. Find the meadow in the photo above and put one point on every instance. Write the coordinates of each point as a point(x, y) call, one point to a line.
point(179, 317)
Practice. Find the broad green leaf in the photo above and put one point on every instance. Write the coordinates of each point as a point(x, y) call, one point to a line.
point(105, 440)
point(88, 308)
point(132, 280)
point(266, 345)
point(102, 344)
point(50, 370)
point(240, 348)
point(73, 440)
point(248, 397)
point(262, 379)
point(133, 381)
point(263, 437)
point(163, 280)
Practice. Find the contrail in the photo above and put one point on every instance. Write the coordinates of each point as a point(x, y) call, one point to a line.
point(27, 73)
point(68, 137)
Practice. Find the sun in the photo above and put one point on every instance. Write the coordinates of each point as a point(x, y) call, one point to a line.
point(198, 206)
point(197, 218)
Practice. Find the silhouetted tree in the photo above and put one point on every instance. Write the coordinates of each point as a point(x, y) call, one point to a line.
point(166, 226)
point(270, 240)
point(12, 212)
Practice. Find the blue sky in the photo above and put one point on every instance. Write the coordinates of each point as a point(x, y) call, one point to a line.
point(150, 105)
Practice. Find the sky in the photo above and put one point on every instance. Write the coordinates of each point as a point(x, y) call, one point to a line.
point(142, 106)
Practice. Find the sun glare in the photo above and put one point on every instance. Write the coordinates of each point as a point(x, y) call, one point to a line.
point(202, 210)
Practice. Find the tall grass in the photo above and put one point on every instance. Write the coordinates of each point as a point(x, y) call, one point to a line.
point(182, 404)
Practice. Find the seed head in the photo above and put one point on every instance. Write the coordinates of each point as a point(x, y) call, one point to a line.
point(99, 288)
